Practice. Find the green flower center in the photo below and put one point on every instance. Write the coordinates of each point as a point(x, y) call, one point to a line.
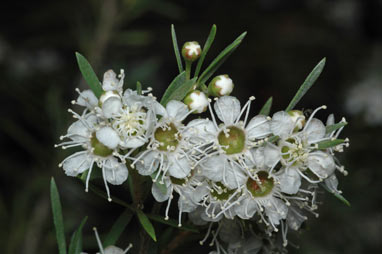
point(99, 148)
point(232, 140)
point(261, 187)
point(223, 193)
point(168, 137)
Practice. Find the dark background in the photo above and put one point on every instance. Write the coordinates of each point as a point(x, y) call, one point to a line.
point(286, 39)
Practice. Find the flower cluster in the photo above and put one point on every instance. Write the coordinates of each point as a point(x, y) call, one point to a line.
point(232, 166)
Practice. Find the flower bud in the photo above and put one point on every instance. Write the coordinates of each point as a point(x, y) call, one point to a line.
point(191, 51)
point(196, 101)
point(220, 85)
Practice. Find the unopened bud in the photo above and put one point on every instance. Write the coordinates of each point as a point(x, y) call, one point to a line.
point(191, 51)
point(196, 101)
point(220, 85)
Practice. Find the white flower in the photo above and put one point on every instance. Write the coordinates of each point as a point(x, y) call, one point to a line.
point(135, 119)
point(167, 147)
point(298, 149)
point(100, 143)
point(227, 145)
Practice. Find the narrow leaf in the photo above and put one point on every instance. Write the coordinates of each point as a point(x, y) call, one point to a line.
point(206, 47)
point(139, 88)
point(146, 224)
point(308, 83)
point(182, 90)
point(220, 59)
point(89, 75)
point(336, 194)
point(172, 223)
point(117, 228)
point(57, 217)
point(176, 49)
point(178, 91)
point(329, 143)
point(178, 81)
point(267, 107)
point(334, 127)
point(75, 246)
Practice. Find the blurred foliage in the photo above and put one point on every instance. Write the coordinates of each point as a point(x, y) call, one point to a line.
point(285, 40)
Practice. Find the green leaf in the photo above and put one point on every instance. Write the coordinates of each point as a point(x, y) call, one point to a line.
point(139, 88)
point(173, 223)
point(308, 83)
point(176, 83)
point(178, 89)
point(334, 127)
point(57, 217)
point(89, 75)
point(206, 47)
point(267, 107)
point(75, 246)
point(117, 228)
point(146, 224)
point(176, 49)
point(336, 194)
point(329, 143)
point(220, 59)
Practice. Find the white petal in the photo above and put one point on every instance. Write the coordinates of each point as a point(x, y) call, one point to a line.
point(332, 183)
point(111, 106)
point(77, 164)
point(282, 124)
point(148, 164)
point(258, 157)
point(246, 209)
point(272, 155)
point(87, 99)
point(108, 137)
point(276, 211)
point(116, 173)
point(315, 130)
point(113, 250)
point(227, 109)
point(110, 81)
point(200, 130)
point(258, 127)
point(185, 203)
point(200, 192)
point(160, 192)
point(290, 181)
point(78, 131)
point(295, 219)
point(158, 108)
point(177, 110)
point(234, 176)
point(322, 164)
point(133, 143)
point(212, 168)
point(180, 167)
